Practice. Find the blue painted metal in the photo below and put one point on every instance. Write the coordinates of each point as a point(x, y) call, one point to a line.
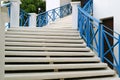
point(95, 35)
point(51, 15)
point(119, 56)
point(89, 7)
point(8, 5)
point(24, 18)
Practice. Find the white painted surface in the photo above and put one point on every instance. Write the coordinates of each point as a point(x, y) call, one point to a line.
point(33, 22)
point(51, 4)
point(75, 14)
point(15, 9)
point(2, 43)
point(108, 8)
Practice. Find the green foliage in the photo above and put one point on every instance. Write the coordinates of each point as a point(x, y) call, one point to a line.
point(31, 6)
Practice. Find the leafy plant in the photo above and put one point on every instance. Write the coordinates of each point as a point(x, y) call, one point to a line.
point(31, 6)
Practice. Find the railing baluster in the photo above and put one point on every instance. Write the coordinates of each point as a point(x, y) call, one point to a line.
point(53, 15)
point(88, 32)
point(102, 43)
point(24, 18)
point(119, 56)
point(99, 40)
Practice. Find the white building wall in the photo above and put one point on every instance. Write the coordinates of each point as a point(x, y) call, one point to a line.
point(108, 8)
point(51, 4)
point(105, 9)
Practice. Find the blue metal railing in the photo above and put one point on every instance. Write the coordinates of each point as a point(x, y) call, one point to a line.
point(51, 15)
point(96, 35)
point(88, 7)
point(7, 24)
point(24, 18)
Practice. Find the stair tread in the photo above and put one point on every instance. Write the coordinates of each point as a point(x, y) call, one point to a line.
point(55, 66)
point(103, 78)
point(43, 28)
point(43, 40)
point(46, 48)
point(35, 36)
point(29, 53)
point(57, 75)
point(42, 33)
point(43, 44)
point(47, 59)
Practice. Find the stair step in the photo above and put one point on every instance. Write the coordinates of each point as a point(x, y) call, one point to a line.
point(55, 66)
point(41, 28)
point(23, 29)
point(42, 33)
point(44, 44)
point(47, 59)
point(43, 40)
point(102, 78)
point(16, 48)
point(29, 53)
point(41, 37)
point(58, 75)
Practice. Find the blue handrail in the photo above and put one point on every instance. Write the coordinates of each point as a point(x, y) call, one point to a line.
point(96, 34)
point(24, 18)
point(88, 7)
point(51, 15)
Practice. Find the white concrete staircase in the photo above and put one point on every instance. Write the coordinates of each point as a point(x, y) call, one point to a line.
point(52, 52)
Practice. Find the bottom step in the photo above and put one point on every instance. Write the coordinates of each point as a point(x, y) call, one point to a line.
point(58, 75)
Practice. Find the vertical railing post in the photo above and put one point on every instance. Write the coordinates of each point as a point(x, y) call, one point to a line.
point(119, 57)
point(39, 21)
point(47, 19)
point(61, 12)
point(53, 15)
point(99, 39)
point(102, 43)
point(88, 32)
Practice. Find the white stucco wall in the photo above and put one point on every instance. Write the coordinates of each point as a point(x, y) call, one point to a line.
point(105, 9)
point(108, 8)
point(51, 4)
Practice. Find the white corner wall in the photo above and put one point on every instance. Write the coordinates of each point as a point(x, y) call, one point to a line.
point(108, 8)
point(51, 4)
point(105, 9)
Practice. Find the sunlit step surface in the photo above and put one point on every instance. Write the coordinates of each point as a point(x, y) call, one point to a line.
point(41, 37)
point(29, 53)
point(55, 66)
point(43, 40)
point(31, 59)
point(58, 75)
point(43, 33)
point(10, 48)
point(44, 44)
